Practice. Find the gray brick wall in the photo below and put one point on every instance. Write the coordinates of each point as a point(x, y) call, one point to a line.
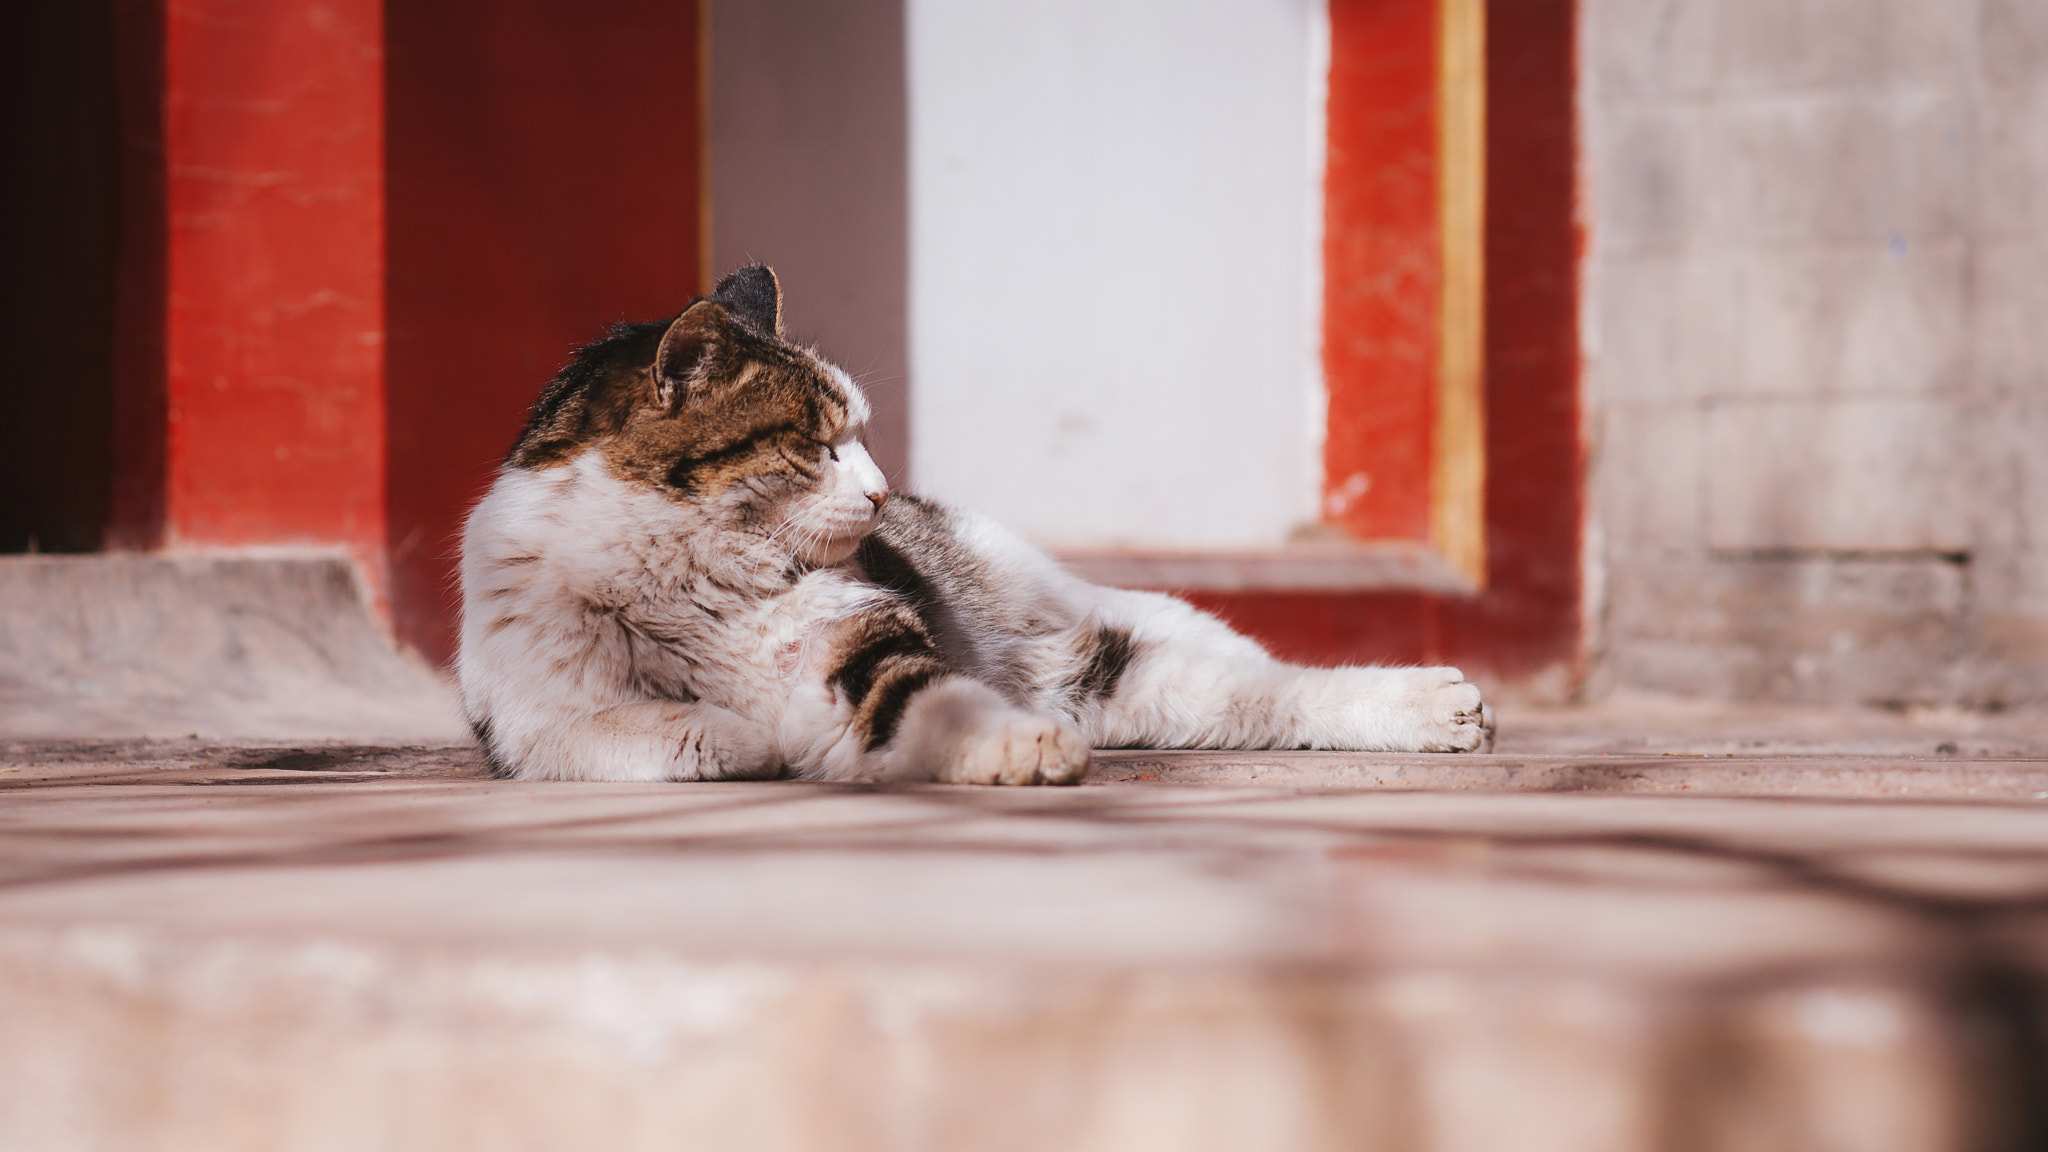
point(1817, 347)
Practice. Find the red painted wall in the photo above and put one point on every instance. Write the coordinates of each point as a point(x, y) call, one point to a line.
point(274, 277)
point(541, 180)
point(542, 174)
point(536, 178)
point(1381, 267)
point(1527, 620)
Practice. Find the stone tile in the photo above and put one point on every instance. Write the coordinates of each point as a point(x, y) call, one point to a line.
point(1648, 50)
point(1784, 44)
point(2014, 573)
point(2014, 39)
point(1647, 182)
point(2007, 665)
point(1687, 668)
point(2009, 321)
point(1668, 624)
point(1667, 628)
point(2008, 435)
point(2013, 180)
point(1648, 477)
point(1670, 328)
point(1862, 629)
point(1849, 475)
point(2009, 564)
point(2007, 661)
point(1844, 168)
point(1869, 319)
point(2012, 581)
point(2026, 426)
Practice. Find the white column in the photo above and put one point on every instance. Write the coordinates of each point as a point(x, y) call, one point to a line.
point(1114, 265)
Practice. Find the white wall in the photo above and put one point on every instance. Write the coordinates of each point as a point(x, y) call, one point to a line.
point(1115, 232)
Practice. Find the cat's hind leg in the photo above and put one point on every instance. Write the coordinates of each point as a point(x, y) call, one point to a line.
point(1157, 672)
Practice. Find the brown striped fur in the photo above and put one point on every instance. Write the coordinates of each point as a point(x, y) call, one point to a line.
point(882, 658)
point(694, 405)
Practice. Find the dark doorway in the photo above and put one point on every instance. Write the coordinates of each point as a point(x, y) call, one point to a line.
point(60, 246)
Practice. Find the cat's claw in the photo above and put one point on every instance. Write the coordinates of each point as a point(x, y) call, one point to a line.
point(1023, 750)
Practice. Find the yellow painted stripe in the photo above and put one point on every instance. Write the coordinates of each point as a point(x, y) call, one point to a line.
point(1458, 455)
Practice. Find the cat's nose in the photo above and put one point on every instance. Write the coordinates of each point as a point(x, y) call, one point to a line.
point(876, 498)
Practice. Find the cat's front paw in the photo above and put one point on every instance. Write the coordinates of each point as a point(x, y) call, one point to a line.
point(1446, 713)
point(1021, 749)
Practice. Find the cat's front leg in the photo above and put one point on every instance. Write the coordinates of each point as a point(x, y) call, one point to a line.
point(647, 740)
point(963, 732)
point(898, 712)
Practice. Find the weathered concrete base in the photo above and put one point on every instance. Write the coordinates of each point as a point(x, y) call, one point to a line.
point(227, 647)
point(323, 946)
point(1908, 631)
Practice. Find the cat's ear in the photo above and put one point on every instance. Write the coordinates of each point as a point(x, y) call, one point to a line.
point(691, 350)
point(755, 298)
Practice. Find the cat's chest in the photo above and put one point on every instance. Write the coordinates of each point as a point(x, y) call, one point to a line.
point(721, 643)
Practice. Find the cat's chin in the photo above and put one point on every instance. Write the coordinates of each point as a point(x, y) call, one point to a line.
point(836, 548)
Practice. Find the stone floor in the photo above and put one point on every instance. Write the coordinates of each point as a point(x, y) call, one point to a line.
point(1646, 926)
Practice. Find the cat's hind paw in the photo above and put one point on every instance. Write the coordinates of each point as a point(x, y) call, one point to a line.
point(1021, 749)
point(1428, 710)
point(1451, 716)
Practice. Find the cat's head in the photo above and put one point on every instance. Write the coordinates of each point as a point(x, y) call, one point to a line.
point(719, 413)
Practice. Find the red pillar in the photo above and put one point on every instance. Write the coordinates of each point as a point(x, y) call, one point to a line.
point(1526, 621)
point(1381, 267)
point(274, 275)
point(541, 181)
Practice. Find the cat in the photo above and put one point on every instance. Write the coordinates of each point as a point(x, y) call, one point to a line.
point(689, 568)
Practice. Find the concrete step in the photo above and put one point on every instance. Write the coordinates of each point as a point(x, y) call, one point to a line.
point(256, 893)
point(1817, 775)
point(391, 952)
